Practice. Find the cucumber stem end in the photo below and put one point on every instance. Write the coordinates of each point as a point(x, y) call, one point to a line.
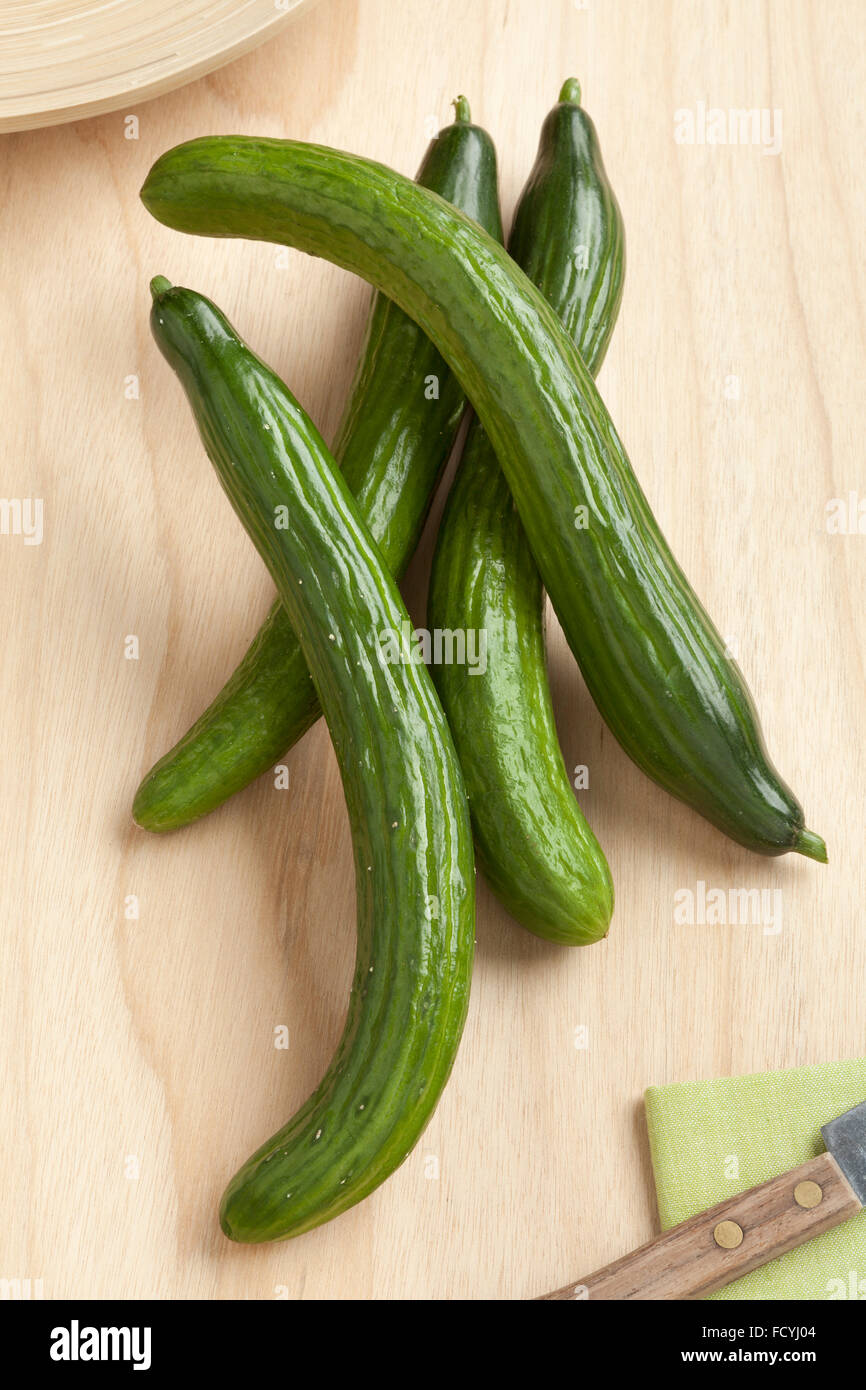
point(570, 91)
point(462, 113)
point(811, 845)
point(159, 285)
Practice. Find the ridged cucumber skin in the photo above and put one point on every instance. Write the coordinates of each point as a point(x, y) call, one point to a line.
point(392, 444)
point(409, 820)
point(536, 849)
point(652, 660)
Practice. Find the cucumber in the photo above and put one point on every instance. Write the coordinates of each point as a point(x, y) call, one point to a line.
point(532, 841)
point(407, 809)
point(397, 431)
point(652, 660)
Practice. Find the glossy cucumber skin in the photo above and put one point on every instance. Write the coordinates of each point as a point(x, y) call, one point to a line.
point(652, 660)
point(392, 444)
point(536, 849)
point(407, 809)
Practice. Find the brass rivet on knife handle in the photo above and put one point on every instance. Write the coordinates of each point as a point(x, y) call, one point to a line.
point(808, 1194)
point(728, 1235)
point(689, 1260)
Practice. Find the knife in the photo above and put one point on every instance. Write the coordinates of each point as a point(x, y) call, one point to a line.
point(717, 1246)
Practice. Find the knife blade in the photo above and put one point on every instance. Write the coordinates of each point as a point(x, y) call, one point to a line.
point(845, 1138)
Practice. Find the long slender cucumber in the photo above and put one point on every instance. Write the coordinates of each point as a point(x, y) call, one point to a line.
point(407, 809)
point(531, 838)
point(652, 660)
point(397, 431)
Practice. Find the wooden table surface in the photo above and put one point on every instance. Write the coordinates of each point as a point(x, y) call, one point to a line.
point(138, 1057)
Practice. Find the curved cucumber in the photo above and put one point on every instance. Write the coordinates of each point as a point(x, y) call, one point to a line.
point(410, 825)
point(533, 843)
point(652, 660)
point(396, 434)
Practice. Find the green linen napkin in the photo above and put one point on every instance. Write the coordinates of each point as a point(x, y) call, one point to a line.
point(712, 1139)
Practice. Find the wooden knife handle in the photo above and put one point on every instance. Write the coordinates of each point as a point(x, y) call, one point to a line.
point(717, 1246)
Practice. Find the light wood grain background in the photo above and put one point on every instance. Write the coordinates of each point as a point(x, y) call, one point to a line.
point(147, 1045)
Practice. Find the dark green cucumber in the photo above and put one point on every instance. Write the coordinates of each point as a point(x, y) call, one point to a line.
point(396, 434)
point(652, 660)
point(532, 841)
point(407, 809)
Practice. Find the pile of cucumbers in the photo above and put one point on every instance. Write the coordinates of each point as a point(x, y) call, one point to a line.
point(444, 764)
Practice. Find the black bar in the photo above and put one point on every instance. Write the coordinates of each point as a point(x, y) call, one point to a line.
point(304, 1340)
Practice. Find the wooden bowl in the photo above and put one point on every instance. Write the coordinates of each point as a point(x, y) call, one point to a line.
point(63, 60)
